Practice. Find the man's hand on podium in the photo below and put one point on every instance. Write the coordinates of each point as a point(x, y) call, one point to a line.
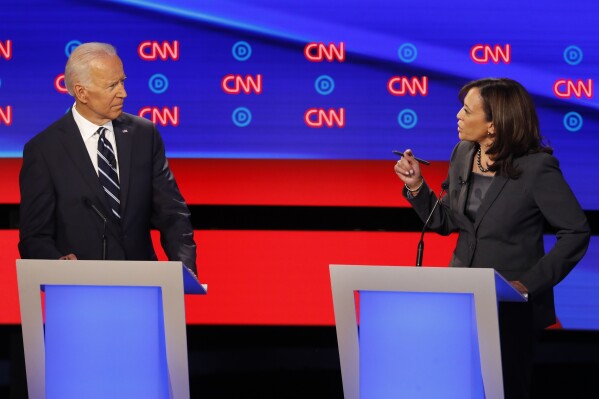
point(520, 287)
point(68, 257)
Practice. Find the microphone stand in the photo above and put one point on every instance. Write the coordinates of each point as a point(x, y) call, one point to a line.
point(420, 250)
point(101, 215)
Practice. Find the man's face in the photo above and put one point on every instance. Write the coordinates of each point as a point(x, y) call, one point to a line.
point(101, 99)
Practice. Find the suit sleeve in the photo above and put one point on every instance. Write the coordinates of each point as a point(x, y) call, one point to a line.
point(423, 203)
point(170, 214)
point(440, 222)
point(37, 207)
point(562, 211)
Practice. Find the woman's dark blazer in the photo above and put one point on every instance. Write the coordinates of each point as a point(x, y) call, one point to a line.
point(507, 234)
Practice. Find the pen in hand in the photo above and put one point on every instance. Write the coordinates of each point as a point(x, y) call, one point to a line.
point(422, 161)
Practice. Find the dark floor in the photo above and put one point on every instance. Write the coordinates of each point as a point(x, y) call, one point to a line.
point(303, 362)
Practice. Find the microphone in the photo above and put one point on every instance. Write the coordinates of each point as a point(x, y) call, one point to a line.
point(101, 215)
point(420, 250)
point(462, 181)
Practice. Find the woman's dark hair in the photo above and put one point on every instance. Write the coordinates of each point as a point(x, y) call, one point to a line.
point(510, 107)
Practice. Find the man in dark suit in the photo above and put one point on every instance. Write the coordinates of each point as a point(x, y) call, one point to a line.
point(95, 182)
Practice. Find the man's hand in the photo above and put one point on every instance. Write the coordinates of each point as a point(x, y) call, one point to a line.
point(519, 286)
point(68, 257)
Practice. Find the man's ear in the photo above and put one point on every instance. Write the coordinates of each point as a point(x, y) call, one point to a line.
point(80, 93)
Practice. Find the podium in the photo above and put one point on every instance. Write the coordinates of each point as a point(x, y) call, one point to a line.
point(108, 328)
point(406, 332)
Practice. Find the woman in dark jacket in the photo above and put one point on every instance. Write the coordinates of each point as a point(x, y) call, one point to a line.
point(503, 185)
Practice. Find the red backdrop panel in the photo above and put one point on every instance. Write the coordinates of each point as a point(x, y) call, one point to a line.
point(282, 277)
point(273, 182)
point(9, 292)
point(265, 277)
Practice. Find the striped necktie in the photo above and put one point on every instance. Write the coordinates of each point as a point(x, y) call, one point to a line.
point(109, 179)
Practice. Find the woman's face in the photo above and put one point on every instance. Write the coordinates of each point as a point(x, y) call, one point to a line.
point(472, 123)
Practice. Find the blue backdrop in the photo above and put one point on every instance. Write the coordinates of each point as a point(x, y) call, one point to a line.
point(548, 46)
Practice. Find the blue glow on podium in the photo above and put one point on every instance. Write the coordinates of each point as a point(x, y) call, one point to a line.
point(105, 342)
point(418, 345)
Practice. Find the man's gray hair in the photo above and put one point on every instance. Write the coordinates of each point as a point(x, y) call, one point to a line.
point(78, 65)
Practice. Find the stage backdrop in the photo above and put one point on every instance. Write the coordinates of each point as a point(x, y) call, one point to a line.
point(297, 91)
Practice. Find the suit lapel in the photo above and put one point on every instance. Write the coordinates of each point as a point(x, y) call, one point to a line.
point(494, 190)
point(464, 172)
point(124, 147)
point(71, 140)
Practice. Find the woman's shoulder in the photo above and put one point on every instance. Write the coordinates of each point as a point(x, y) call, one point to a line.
point(537, 162)
point(462, 148)
point(537, 158)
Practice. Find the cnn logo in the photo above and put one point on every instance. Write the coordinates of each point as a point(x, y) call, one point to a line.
point(318, 52)
point(6, 49)
point(151, 50)
point(319, 117)
point(568, 88)
point(59, 84)
point(236, 84)
point(484, 53)
point(402, 85)
point(6, 115)
point(163, 117)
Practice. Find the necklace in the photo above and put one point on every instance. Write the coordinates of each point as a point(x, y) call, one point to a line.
point(480, 166)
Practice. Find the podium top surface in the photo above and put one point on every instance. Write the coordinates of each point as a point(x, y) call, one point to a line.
point(109, 273)
point(191, 284)
point(424, 279)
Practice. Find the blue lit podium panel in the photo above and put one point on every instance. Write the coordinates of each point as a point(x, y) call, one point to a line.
point(419, 332)
point(105, 329)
